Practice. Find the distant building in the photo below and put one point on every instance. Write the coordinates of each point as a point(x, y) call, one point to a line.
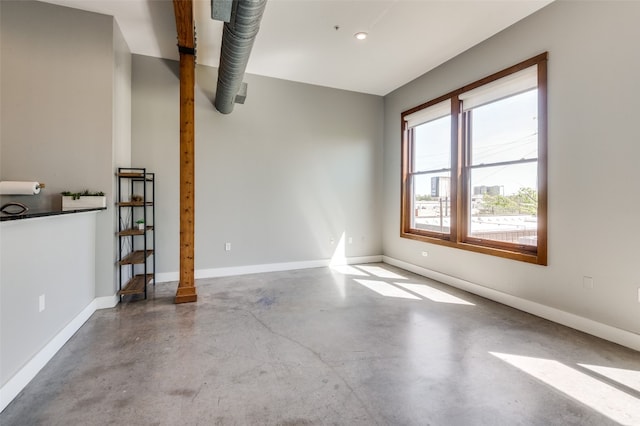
point(440, 186)
point(482, 190)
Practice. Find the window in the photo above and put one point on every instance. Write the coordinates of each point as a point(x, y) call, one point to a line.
point(474, 166)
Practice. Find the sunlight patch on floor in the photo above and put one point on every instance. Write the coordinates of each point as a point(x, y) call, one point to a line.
point(381, 272)
point(628, 378)
point(386, 289)
point(607, 400)
point(402, 290)
point(348, 270)
point(433, 294)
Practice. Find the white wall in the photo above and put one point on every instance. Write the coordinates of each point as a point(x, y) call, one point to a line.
point(593, 151)
point(293, 167)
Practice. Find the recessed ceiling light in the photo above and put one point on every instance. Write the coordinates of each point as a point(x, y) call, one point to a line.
point(360, 35)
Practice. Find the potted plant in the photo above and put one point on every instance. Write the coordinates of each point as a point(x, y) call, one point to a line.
point(140, 223)
point(83, 200)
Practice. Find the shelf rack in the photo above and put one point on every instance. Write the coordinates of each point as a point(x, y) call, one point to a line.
point(136, 247)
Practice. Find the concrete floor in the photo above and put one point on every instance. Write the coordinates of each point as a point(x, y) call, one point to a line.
point(357, 345)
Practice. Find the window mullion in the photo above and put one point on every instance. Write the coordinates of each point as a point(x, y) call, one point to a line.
point(542, 162)
point(464, 140)
point(503, 163)
point(407, 178)
point(456, 189)
point(426, 172)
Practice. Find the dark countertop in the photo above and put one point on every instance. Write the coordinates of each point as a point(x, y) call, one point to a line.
point(43, 213)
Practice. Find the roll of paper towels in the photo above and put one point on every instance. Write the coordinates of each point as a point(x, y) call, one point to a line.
point(19, 188)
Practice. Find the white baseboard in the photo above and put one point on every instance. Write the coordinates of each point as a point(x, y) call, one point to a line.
point(14, 386)
point(607, 332)
point(22, 378)
point(268, 267)
point(165, 277)
point(106, 302)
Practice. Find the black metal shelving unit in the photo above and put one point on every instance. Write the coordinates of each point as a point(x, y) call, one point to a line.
point(136, 247)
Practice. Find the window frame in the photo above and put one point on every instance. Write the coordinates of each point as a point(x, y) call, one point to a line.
point(460, 168)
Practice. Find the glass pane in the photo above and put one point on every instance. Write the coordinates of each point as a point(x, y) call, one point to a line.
point(505, 130)
point(504, 203)
point(432, 145)
point(431, 204)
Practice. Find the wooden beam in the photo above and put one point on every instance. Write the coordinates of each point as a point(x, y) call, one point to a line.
point(183, 10)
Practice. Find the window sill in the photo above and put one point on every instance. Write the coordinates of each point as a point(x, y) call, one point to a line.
point(534, 258)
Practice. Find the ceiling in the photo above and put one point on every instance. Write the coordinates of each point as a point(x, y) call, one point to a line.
point(298, 39)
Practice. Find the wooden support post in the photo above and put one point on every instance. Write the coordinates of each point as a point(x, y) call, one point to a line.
point(186, 43)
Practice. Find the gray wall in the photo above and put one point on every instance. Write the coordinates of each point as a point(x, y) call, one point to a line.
point(64, 80)
point(593, 149)
point(121, 100)
point(294, 167)
point(121, 152)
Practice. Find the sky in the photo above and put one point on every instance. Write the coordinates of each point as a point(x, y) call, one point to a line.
point(505, 130)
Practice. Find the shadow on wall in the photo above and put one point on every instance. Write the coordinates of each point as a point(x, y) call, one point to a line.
point(206, 81)
point(172, 66)
point(164, 27)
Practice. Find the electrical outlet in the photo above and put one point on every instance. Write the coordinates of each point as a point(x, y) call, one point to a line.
point(425, 253)
point(350, 240)
point(587, 282)
point(227, 246)
point(332, 241)
point(638, 294)
point(41, 303)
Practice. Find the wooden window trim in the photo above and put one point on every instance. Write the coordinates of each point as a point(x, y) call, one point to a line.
point(457, 237)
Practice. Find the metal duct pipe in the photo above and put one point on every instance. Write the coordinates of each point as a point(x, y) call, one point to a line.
point(237, 40)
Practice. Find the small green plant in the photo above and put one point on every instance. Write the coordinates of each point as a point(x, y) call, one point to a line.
point(139, 221)
point(85, 193)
